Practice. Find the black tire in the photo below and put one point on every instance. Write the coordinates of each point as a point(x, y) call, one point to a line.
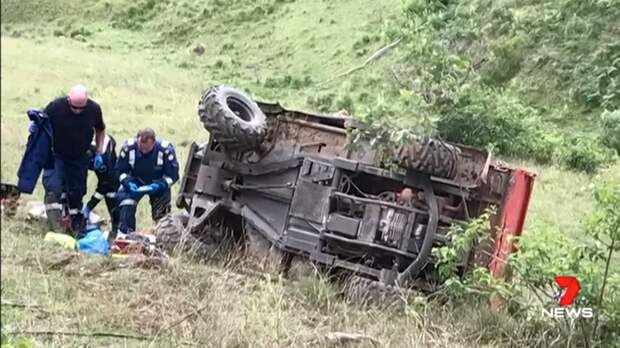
point(232, 118)
point(171, 236)
point(261, 254)
point(366, 291)
point(429, 156)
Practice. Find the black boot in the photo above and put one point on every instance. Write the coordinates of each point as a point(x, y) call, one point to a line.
point(53, 209)
point(78, 225)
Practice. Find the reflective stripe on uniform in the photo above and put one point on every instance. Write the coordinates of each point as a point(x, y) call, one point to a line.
point(53, 206)
point(128, 201)
point(97, 195)
point(170, 157)
point(132, 157)
point(123, 176)
point(74, 211)
point(110, 194)
point(165, 144)
point(160, 158)
point(168, 180)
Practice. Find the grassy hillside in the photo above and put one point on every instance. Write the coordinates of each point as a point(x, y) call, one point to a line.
point(223, 306)
point(137, 58)
point(557, 62)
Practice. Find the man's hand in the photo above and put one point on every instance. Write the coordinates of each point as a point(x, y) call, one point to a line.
point(133, 188)
point(136, 192)
point(86, 213)
point(156, 187)
point(145, 189)
point(98, 163)
point(33, 127)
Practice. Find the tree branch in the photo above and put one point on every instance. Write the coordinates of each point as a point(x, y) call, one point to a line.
point(600, 298)
point(370, 59)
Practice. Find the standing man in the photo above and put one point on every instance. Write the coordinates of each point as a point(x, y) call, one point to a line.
point(75, 118)
point(146, 166)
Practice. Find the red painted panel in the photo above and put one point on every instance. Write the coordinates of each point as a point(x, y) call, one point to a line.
point(512, 219)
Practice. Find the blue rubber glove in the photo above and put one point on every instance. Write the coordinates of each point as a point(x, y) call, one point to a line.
point(156, 187)
point(136, 192)
point(33, 127)
point(98, 163)
point(133, 188)
point(86, 212)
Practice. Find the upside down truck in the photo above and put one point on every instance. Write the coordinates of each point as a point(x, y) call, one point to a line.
point(292, 180)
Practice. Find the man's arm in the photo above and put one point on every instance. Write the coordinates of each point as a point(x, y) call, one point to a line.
point(171, 168)
point(123, 168)
point(99, 131)
point(99, 140)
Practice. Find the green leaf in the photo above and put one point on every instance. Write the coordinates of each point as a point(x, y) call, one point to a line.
point(22, 342)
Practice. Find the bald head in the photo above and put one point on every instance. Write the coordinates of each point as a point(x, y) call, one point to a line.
point(78, 96)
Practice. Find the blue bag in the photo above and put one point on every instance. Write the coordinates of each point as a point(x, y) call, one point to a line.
point(94, 242)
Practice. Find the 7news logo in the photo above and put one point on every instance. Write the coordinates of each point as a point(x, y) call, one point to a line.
point(569, 288)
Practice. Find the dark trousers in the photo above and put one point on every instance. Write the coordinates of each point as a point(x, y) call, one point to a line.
point(160, 206)
point(110, 202)
point(67, 176)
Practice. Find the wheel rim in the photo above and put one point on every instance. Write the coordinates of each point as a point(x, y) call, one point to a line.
point(241, 109)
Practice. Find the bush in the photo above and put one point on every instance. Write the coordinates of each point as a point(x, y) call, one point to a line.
point(611, 129)
point(584, 154)
point(483, 118)
point(544, 254)
point(489, 74)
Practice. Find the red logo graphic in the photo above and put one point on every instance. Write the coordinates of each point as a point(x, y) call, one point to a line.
point(571, 284)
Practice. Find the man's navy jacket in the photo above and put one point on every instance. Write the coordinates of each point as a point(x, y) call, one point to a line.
point(159, 165)
point(38, 154)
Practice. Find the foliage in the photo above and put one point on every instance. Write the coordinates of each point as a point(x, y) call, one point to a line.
point(544, 254)
point(584, 154)
point(484, 117)
point(15, 342)
point(384, 136)
point(471, 75)
point(611, 129)
point(462, 239)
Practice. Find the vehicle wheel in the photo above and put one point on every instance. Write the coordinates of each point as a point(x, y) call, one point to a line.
point(232, 118)
point(430, 156)
point(363, 290)
point(171, 236)
point(261, 254)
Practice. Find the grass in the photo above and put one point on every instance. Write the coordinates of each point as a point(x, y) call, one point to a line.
point(141, 80)
point(95, 294)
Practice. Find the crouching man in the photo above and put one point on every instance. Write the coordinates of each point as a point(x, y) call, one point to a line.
point(107, 182)
point(146, 166)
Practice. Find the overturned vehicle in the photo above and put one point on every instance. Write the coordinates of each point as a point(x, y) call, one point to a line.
point(291, 184)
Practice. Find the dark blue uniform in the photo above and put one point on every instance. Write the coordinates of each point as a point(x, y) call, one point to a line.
point(160, 166)
point(107, 181)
